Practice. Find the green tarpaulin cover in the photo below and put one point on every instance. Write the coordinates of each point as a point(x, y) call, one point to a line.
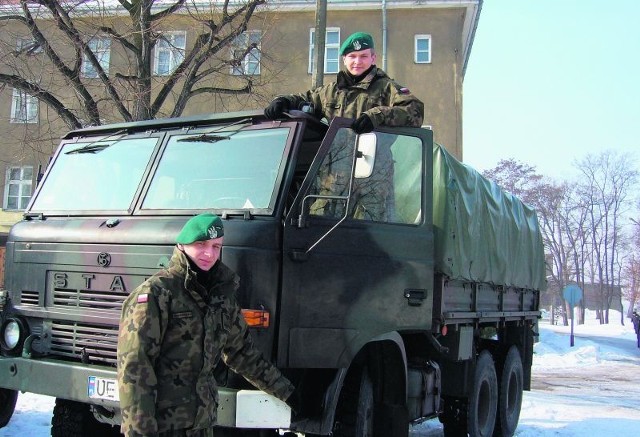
point(482, 233)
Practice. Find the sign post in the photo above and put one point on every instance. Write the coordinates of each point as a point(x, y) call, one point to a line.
point(572, 295)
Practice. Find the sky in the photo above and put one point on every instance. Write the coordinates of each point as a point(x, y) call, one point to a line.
point(550, 81)
point(589, 389)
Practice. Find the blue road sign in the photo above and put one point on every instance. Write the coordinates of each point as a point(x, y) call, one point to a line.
point(572, 294)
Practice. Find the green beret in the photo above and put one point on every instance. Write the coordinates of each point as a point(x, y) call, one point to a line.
point(199, 228)
point(356, 42)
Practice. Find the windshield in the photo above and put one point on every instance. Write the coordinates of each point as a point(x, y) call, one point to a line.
point(96, 175)
point(225, 170)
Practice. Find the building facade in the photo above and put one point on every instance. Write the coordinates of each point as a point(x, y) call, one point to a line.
point(422, 44)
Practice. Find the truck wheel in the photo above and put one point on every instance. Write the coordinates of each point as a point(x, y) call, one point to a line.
point(74, 419)
point(354, 416)
point(8, 400)
point(483, 402)
point(511, 386)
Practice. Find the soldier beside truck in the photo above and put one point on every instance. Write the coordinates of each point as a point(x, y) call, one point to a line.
point(426, 310)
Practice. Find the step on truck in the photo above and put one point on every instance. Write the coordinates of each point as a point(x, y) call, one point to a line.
point(389, 281)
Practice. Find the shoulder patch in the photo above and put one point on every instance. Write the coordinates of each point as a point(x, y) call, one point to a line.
point(143, 298)
point(402, 89)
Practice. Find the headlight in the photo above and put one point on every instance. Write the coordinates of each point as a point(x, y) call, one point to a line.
point(13, 335)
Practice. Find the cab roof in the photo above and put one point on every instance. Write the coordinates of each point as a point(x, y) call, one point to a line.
point(166, 123)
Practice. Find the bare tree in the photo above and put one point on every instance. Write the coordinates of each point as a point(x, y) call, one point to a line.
point(62, 65)
point(560, 226)
point(608, 179)
point(631, 270)
point(518, 178)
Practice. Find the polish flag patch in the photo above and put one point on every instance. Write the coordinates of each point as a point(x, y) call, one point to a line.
point(143, 298)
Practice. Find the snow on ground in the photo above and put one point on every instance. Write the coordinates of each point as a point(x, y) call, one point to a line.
point(590, 389)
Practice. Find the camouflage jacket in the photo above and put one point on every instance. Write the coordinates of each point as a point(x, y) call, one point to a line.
point(380, 97)
point(169, 344)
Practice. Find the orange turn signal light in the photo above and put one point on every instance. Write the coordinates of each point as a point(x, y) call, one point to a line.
point(256, 318)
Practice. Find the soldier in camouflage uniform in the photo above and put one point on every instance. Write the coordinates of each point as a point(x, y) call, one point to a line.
point(635, 318)
point(174, 329)
point(362, 91)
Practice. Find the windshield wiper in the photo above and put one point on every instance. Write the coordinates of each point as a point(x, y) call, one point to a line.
point(91, 148)
point(98, 145)
point(205, 138)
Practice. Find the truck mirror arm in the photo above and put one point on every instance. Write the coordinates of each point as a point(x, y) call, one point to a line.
point(344, 217)
point(347, 199)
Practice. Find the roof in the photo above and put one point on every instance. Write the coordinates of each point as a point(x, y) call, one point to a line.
point(469, 26)
point(471, 17)
point(164, 123)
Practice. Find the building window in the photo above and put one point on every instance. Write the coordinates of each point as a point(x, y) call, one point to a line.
point(169, 52)
point(28, 45)
point(101, 48)
point(24, 107)
point(331, 50)
point(422, 49)
point(17, 187)
point(250, 63)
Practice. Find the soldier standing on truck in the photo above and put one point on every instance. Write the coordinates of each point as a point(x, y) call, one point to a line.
point(174, 329)
point(362, 91)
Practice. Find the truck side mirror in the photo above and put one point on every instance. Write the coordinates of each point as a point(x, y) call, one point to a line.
point(366, 155)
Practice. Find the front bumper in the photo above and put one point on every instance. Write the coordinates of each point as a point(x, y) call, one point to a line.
point(241, 409)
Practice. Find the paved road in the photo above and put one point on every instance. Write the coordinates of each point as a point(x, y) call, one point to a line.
point(612, 384)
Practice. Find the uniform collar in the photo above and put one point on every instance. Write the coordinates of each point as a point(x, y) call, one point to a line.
point(181, 266)
point(346, 80)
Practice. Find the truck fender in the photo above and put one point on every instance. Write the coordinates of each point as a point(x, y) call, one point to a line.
point(371, 354)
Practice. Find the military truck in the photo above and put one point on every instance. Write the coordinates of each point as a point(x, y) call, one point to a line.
point(387, 280)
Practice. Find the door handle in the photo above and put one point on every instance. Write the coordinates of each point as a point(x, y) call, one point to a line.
point(415, 296)
point(299, 255)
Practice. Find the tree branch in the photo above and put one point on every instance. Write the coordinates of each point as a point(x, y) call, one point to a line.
point(121, 39)
point(229, 91)
point(170, 10)
point(193, 63)
point(72, 75)
point(43, 95)
point(65, 23)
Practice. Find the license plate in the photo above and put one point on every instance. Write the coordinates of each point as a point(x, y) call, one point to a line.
point(103, 388)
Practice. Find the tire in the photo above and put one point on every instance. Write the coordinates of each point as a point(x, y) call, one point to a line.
point(483, 402)
point(8, 400)
point(75, 419)
point(510, 395)
point(354, 416)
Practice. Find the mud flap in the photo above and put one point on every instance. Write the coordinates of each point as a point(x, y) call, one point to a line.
point(391, 420)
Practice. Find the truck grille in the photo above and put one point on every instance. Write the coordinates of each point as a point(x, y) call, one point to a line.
point(28, 297)
point(102, 300)
point(84, 342)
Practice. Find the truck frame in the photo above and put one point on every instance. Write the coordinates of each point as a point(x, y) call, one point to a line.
point(390, 282)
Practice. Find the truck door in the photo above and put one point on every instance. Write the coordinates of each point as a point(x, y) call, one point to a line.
point(358, 244)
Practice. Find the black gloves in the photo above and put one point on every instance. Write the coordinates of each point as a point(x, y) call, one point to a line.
point(276, 108)
point(362, 124)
